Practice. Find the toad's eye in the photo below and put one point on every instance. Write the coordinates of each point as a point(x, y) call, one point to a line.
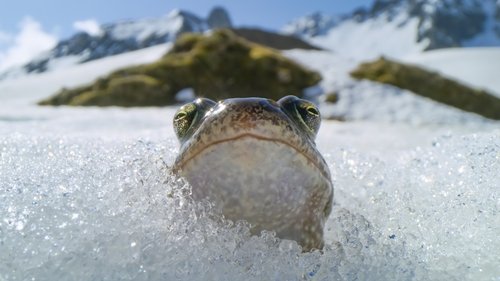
point(305, 113)
point(188, 117)
point(183, 119)
point(309, 114)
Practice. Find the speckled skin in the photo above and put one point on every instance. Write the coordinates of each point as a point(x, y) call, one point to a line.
point(256, 164)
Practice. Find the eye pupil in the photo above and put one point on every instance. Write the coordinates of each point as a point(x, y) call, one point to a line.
point(312, 110)
point(180, 116)
point(309, 115)
point(184, 118)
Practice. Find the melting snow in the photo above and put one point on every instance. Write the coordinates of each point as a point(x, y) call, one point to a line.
point(80, 207)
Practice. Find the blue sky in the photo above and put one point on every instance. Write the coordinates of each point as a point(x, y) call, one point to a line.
point(28, 26)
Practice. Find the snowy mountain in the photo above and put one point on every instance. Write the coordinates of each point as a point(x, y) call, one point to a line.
point(401, 27)
point(316, 24)
point(121, 37)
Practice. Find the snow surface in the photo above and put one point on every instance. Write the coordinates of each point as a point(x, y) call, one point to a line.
point(86, 194)
point(411, 204)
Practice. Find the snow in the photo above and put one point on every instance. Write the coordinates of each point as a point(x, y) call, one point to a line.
point(32, 88)
point(90, 26)
point(311, 25)
point(142, 29)
point(478, 66)
point(400, 29)
point(86, 193)
point(64, 62)
point(76, 206)
point(366, 100)
point(369, 39)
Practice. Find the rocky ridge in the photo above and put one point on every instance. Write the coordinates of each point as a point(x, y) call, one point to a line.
point(126, 36)
point(440, 23)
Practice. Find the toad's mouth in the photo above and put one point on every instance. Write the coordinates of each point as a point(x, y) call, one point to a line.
point(311, 160)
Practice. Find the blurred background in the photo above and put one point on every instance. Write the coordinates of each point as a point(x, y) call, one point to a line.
point(432, 53)
point(29, 27)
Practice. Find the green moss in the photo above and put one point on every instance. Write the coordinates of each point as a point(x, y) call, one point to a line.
point(431, 85)
point(217, 66)
point(332, 97)
point(134, 90)
point(64, 96)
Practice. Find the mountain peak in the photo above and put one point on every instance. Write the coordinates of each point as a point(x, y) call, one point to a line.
point(219, 18)
point(396, 27)
point(123, 36)
point(315, 24)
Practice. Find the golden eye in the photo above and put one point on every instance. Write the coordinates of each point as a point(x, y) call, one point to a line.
point(303, 112)
point(309, 115)
point(311, 109)
point(189, 116)
point(179, 116)
point(183, 119)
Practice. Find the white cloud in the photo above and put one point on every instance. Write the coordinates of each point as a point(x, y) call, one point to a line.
point(31, 41)
point(90, 26)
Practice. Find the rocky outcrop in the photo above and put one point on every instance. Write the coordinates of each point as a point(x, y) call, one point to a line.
point(219, 18)
point(430, 85)
point(312, 25)
point(216, 66)
point(448, 23)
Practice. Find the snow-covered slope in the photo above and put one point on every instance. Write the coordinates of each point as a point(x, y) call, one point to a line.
point(479, 67)
point(30, 89)
point(366, 100)
point(120, 37)
point(372, 38)
point(401, 27)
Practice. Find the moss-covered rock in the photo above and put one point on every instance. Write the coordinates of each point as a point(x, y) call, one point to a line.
point(431, 85)
point(126, 91)
point(331, 97)
point(216, 66)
